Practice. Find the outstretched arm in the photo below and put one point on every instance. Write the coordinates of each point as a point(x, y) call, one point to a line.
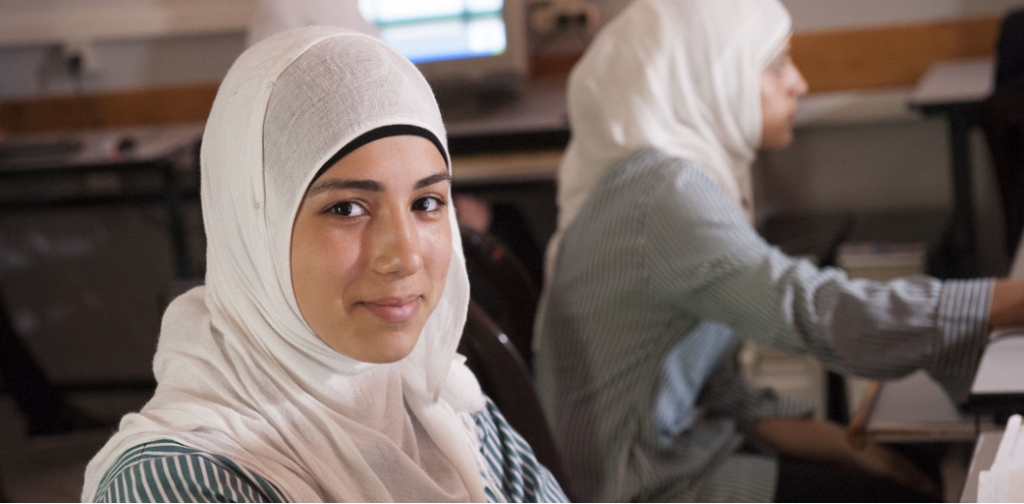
point(818, 441)
point(703, 258)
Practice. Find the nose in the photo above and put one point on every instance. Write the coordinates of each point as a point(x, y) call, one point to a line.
point(800, 87)
point(396, 245)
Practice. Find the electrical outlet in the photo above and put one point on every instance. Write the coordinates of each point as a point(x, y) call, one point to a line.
point(79, 58)
point(562, 15)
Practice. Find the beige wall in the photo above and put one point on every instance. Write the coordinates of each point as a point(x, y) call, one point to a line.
point(880, 164)
point(815, 15)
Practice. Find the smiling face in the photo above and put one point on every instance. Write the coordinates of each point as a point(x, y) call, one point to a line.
point(371, 246)
point(781, 85)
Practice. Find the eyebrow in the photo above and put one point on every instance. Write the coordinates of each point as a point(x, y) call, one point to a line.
point(370, 185)
point(433, 179)
point(334, 184)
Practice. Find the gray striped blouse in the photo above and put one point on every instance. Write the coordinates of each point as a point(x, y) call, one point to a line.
point(166, 471)
point(656, 280)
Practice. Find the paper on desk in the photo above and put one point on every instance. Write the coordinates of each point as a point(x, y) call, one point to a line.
point(1004, 481)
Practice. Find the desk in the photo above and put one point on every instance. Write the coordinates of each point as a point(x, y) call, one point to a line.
point(515, 141)
point(505, 168)
point(87, 168)
point(95, 152)
point(915, 409)
point(956, 89)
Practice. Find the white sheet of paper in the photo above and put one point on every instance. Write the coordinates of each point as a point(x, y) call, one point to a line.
point(1004, 481)
point(1009, 441)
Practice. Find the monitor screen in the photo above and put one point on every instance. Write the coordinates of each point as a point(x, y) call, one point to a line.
point(438, 30)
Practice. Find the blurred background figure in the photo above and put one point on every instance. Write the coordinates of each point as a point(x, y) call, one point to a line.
point(1003, 122)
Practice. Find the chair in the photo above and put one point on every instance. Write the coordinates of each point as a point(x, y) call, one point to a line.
point(503, 287)
point(504, 376)
point(43, 403)
point(1002, 118)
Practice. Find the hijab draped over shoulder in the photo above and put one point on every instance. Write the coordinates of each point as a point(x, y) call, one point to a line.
point(240, 372)
point(682, 76)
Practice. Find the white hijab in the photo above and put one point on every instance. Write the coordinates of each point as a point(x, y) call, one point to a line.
point(240, 372)
point(682, 76)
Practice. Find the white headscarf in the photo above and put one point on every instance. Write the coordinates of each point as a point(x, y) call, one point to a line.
point(682, 76)
point(240, 372)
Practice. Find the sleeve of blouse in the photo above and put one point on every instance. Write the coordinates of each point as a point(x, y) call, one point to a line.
point(727, 393)
point(183, 477)
point(512, 468)
point(701, 256)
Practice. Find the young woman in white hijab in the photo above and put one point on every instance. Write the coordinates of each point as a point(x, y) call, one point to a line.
point(318, 363)
point(655, 273)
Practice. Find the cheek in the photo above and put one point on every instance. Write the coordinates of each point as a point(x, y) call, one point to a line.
point(337, 256)
point(437, 254)
point(769, 103)
point(775, 113)
point(323, 263)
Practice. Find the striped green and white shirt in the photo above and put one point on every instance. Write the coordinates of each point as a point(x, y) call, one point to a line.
point(166, 471)
point(656, 281)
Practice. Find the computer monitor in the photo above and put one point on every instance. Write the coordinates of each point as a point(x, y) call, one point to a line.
point(456, 42)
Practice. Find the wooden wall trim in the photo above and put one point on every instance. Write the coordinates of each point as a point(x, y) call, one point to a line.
point(830, 61)
point(125, 108)
point(889, 56)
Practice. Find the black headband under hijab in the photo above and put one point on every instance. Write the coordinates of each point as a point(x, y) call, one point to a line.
point(377, 134)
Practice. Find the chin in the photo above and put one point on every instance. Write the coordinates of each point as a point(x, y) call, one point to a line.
point(392, 346)
point(389, 355)
point(378, 346)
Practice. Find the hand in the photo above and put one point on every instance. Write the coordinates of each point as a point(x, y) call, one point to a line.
point(826, 442)
point(885, 463)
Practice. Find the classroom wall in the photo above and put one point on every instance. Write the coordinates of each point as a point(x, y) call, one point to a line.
point(166, 43)
point(37, 71)
point(868, 164)
point(175, 31)
point(815, 15)
point(888, 166)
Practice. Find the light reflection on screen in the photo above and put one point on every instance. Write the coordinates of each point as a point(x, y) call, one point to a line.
point(439, 29)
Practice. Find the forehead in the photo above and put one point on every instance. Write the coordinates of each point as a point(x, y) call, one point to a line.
point(783, 50)
point(394, 159)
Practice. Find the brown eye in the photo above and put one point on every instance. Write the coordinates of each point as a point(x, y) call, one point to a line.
point(428, 204)
point(347, 209)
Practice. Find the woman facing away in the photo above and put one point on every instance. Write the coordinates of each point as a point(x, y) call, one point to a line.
point(318, 363)
point(655, 274)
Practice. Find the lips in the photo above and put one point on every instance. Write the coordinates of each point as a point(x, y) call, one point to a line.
point(393, 310)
